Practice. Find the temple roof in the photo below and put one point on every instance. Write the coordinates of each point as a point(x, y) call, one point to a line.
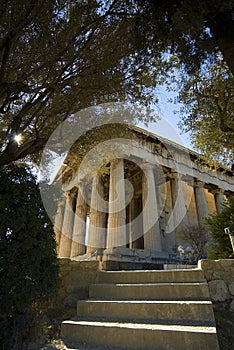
point(167, 153)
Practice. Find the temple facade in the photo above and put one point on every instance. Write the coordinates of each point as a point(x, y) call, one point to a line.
point(139, 210)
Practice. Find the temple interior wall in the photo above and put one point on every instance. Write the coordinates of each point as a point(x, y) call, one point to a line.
point(210, 201)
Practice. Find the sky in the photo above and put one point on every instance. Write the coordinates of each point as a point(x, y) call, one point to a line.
point(167, 125)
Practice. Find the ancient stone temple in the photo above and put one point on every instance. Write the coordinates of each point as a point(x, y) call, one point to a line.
point(136, 205)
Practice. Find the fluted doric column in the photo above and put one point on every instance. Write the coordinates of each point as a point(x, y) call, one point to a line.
point(201, 202)
point(58, 222)
point(219, 198)
point(135, 223)
point(67, 228)
point(116, 230)
point(97, 230)
point(178, 202)
point(79, 229)
point(151, 228)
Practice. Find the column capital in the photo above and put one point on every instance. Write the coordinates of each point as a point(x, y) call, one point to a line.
point(71, 193)
point(116, 161)
point(82, 182)
point(174, 175)
point(217, 191)
point(198, 183)
point(67, 194)
point(188, 179)
point(147, 166)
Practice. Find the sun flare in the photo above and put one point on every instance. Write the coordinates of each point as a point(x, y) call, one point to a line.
point(18, 138)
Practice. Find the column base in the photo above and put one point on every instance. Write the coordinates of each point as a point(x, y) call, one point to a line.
point(95, 255)
point(136, 259)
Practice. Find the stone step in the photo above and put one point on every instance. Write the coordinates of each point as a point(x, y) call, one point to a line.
point(153, 310)
point(159, 276)
point(113, 335)
point(150, 291)
point(168, 312)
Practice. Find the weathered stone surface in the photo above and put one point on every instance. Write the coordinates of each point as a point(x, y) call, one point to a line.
point(126, 255)
point(218, 269)
point(231, 288)
point(145, 317)
point(226, 263)
point(232, 306)
point(218, 290)
point(76, 276)
point(216, 276)
point(222, 292)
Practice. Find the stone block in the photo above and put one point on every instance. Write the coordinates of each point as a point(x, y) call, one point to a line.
point(226, 263)
point(64, 261)
point(218, 290)
point(231, 288)
point(232, 306)
point(216, 276)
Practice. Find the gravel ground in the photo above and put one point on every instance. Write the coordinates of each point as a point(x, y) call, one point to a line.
point(59, 345)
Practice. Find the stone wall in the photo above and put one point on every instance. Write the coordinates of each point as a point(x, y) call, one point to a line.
point(220, 277)
point(76, 276)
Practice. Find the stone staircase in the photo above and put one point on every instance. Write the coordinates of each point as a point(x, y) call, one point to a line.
point(145, 310)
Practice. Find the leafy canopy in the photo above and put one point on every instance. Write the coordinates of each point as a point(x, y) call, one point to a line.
point(197, 37)
point(208, 111)
point(58, 57)
point(221, 247)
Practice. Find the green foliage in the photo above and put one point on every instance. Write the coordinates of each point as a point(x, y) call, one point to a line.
point(58, 57)
point(221, 247)
point(197, 38)
point(192, 30)
point(208, 113)
point(28, 263)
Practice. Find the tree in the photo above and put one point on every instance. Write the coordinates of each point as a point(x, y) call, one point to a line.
point(208, 112)
point(197, 40)
point(221, 247)
point(197, 238)
point(28, 263)
point(192, 30)
point(58, 57)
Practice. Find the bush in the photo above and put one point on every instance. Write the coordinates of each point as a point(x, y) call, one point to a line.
point(221, 247)
point(28, 262)
point(196, 238)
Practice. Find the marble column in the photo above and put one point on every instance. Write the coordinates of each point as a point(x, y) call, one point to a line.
point(116, 228)
point(97, 230)
point(135, 224)
point(79, 229)
point(58, 222)
point(178, 203)
point(219, 198)
point(201, 202)
point(151, 228)
point(67, 228)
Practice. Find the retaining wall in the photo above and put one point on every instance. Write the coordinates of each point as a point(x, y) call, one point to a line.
point(76, 276)
point(220, 277)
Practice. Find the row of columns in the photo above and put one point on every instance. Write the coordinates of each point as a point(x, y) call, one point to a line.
point(110, 230)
